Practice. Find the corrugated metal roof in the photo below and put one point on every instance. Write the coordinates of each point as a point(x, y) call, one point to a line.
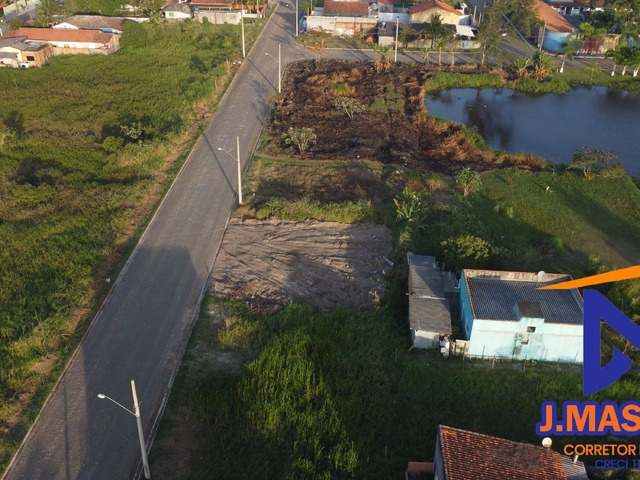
point(497, 299)
point(574, 471)
point(428, 309)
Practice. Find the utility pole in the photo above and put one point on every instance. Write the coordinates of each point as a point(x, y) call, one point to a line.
point(395, 57)
point(239, 171)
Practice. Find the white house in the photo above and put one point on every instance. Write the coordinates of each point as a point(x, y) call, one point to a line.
point(177, 11)
point(506, 315)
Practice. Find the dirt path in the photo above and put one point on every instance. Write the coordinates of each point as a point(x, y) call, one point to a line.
point(272, 263)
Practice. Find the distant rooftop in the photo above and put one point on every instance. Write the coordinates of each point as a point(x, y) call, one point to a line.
point(422, 7)
point(553, 21)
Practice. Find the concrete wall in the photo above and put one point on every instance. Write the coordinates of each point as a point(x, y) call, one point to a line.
point(341, 25)
point(509, 339)
point(424, 339)
point(219, 17)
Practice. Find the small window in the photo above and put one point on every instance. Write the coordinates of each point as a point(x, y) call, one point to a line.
point(531, 329)
point(31, 58)
point(525, 342)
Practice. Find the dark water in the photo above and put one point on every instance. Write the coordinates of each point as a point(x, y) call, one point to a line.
point(552, 126)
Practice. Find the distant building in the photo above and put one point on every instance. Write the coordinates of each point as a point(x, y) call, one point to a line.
point(177, 11)
point(71, 41)
point(555, 30)
point(424, 12)
point(350, 9)
point(504, 314)
point(93, 22)
point(464, 455)
point(20, 52)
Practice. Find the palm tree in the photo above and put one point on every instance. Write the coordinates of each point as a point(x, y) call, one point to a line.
point(569, 49)
point(541, 62)
point(522, 67)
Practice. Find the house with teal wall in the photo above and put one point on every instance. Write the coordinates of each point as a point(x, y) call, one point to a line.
point(506, 315)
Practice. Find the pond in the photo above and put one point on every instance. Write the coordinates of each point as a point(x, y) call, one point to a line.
point(552, 126)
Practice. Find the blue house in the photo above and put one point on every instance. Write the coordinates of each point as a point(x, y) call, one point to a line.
point(504, 314)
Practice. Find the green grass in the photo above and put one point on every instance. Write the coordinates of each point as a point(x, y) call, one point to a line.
point(338, 395)
point(72, 182)
point(445, 80)
point(542, 220)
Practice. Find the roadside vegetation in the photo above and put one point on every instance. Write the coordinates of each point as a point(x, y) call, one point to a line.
point(88, 145)
point(339, 394)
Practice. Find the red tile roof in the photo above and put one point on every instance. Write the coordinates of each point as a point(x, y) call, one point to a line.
point(346, 8)
point(62, 35)
point(423, 7)
point(554, 22)
point(473, 456)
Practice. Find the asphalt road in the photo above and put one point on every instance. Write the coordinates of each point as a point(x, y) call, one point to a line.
point(142, 329)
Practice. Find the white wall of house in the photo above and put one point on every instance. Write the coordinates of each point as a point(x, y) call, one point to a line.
point(424, 339)
point(509, 339)
point(405, 18)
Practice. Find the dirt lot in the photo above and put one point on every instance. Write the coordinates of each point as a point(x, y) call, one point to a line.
point(272, 263)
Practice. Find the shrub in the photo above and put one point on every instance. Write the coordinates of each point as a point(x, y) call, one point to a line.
point(466, 251)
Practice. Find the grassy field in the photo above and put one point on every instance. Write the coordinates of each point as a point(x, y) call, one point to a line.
point(339, 395)
point(88, 146)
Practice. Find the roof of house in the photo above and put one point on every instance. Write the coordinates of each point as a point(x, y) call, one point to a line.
point(2, 5)
point(177, 7)
point(554, 22)
point(573, 469)
point(62, 35)
point(387, 2)
point(496, 295)
point(354, 9)
point(95, 22)
point(428, 309)
point(213, 3)
point(423, 7)
point(474, 456)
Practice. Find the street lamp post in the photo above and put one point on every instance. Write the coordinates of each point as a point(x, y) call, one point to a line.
point(279, 66)
point(135, 413)
point(242, 26)
point(395, 57)
point(296, 25)
point(237, 158)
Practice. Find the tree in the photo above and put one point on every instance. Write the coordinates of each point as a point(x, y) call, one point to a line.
point(466, 251)
point(46, 10)
point(627, 56)
point(468, 181)
point(306, 6)
point(318, 48)
point(302, 138)
point(592, 35)
point(489, 32)
point(350, 105)
point(382, 57)
point(594, 69)
point(569, 49)
point(522, 67)
point(541, 62)
point(443, 41)
point(591, 159)
point(408, 35)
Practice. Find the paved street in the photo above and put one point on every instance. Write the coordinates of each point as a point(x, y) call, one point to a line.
point(142, 329)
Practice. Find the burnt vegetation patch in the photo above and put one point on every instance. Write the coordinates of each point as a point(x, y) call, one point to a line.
point(358, 111)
